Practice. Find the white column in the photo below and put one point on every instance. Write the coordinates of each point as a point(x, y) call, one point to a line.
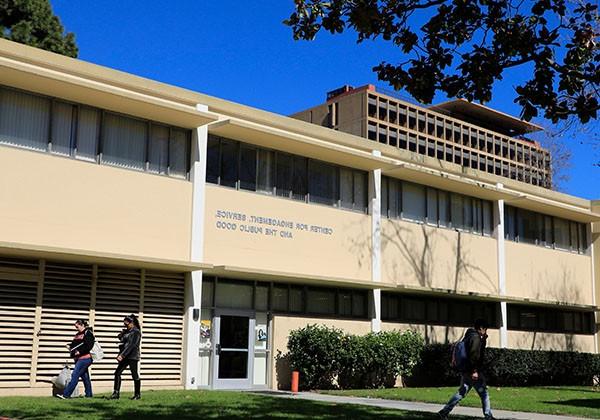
point(501, 255)
point(375, 211)
point(193, 288)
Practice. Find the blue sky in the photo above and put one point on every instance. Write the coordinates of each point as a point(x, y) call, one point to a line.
point(241, 51)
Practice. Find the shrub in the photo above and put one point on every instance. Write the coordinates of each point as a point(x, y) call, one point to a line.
point(328, 358)
point(509, 367)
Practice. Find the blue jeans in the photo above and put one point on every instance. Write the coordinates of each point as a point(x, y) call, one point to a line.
point(80, 371)
point(466, 383)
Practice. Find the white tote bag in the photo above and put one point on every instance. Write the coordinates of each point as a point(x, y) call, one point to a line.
point(97, 352)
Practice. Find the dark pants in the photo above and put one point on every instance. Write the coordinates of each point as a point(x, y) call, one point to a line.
point(80, 371)
point(133, 366)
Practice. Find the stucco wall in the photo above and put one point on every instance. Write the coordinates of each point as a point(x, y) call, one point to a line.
point(547, 341)
point(342, 252)
point(282, 325)
point(60, 202)
point(420, 255)
point(439, 334)
point(536, 272)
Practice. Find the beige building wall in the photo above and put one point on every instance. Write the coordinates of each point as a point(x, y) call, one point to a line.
point(60, 202)
point(536, 272)
point(340, 249)
point(415, 254)
point(527, 340)
point(281, 327)
point(352, 114)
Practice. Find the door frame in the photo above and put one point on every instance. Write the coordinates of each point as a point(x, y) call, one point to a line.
point(248, 382)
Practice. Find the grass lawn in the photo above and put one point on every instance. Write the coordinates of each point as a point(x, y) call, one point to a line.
point(182, 405)
point(573, 400)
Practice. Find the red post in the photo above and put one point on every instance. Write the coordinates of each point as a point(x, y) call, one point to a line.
point(295, 381)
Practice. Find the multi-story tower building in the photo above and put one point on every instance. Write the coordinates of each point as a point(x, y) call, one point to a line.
point(225, 227)
point(458, 131)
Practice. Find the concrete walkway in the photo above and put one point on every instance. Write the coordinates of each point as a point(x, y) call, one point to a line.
point(413, 406)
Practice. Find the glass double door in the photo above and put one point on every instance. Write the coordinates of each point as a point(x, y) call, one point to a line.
point(233, 349)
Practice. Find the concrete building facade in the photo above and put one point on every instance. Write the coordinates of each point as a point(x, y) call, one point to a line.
point(225, 227)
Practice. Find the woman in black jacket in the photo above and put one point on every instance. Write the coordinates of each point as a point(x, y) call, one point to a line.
point(80, 351)
point(129, 355)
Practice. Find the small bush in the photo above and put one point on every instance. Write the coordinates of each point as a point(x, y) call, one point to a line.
point(328, 358)
point(509, 367)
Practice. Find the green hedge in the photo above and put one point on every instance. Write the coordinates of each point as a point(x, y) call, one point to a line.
point(328, 358)
point(508, 367)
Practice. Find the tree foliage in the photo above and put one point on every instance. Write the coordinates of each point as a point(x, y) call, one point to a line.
point(465, 46)
point(33, 22)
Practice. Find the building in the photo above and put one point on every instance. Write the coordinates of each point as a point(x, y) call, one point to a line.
point(225, 227)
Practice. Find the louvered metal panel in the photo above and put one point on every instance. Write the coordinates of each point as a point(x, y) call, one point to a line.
point(162, 343)
point(67, 294)
point(19, 281)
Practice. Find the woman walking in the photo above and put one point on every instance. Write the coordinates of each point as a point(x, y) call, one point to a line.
point(80, 351)
point(129, 355)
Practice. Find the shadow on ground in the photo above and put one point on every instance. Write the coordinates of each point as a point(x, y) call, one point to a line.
point(581, 402)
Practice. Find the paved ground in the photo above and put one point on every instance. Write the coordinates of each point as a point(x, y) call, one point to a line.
point(414, 406)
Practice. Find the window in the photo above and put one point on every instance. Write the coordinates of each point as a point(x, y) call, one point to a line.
point(300, 178)
point(320, 301)
point(24, 119)
point(550, 319)
point(457, 203)
point(413, 201)
point(158, 154)
point(444, 208)
point(266, 171)
point(432, 207)
point(360, 190)
point(63, 125)
point(124, 141)
point(247, 168)
point(35, 122)
point(322, 183)
point(229, 163)
point(213, 160)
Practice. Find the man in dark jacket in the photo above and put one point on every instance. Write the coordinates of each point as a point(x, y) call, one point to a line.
point(472, 377)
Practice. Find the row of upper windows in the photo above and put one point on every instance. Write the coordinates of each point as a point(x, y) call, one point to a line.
point(553, 232)
point(46, 124)
point(414, 202)
point(246, 167)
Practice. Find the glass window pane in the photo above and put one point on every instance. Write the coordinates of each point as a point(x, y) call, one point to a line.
point(279, 299)
point(320, 301)
point(488, 218)
point(208, 286)
point(234, 295)
point(284, 175)
point(212, 160)
point(247, 168)
point(561, 233)
point(573, 233)
point(548, 237)
point(526, 226)
point(509, 223)
point(323, 183)
point(300, 178)
point(582, 242)
point(178, 153)
point(158, 155)
point(24, 119)
point(413, 201)
point(468, 211)
point(384, 196)
point(457, 203)
point(88, 129)
point(266, 171)
point(229, 163)
point(394, 198)
point(261, 297)
point(413, 309)
point(432, 206)
point(296, 299)
point(443, 205)
point(346, 188)
point(124, 142)
point(359, 304)
point(360, 190)
point(477, 216)
point(63, 119)
point(345, 303)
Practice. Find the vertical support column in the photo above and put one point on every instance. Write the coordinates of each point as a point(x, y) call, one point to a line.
point(375, 211)
point(501, 256)
point(35, 345)
point(193, 286)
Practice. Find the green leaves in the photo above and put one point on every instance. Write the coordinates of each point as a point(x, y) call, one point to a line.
point(32, 22)
point(465, 47)
point(328, 358)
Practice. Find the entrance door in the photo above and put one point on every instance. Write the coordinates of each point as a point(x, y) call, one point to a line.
point(233, 349)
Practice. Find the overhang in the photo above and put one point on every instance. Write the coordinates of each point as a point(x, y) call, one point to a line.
point(274, 138)
point(553, 208)
point(38, 77)
point(92, 257)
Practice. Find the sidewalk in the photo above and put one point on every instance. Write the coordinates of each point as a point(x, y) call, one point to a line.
point(413, 406)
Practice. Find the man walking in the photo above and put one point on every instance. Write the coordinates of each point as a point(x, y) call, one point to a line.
point(471, 375)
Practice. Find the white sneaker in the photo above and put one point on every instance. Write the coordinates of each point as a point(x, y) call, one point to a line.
point(61, 396)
